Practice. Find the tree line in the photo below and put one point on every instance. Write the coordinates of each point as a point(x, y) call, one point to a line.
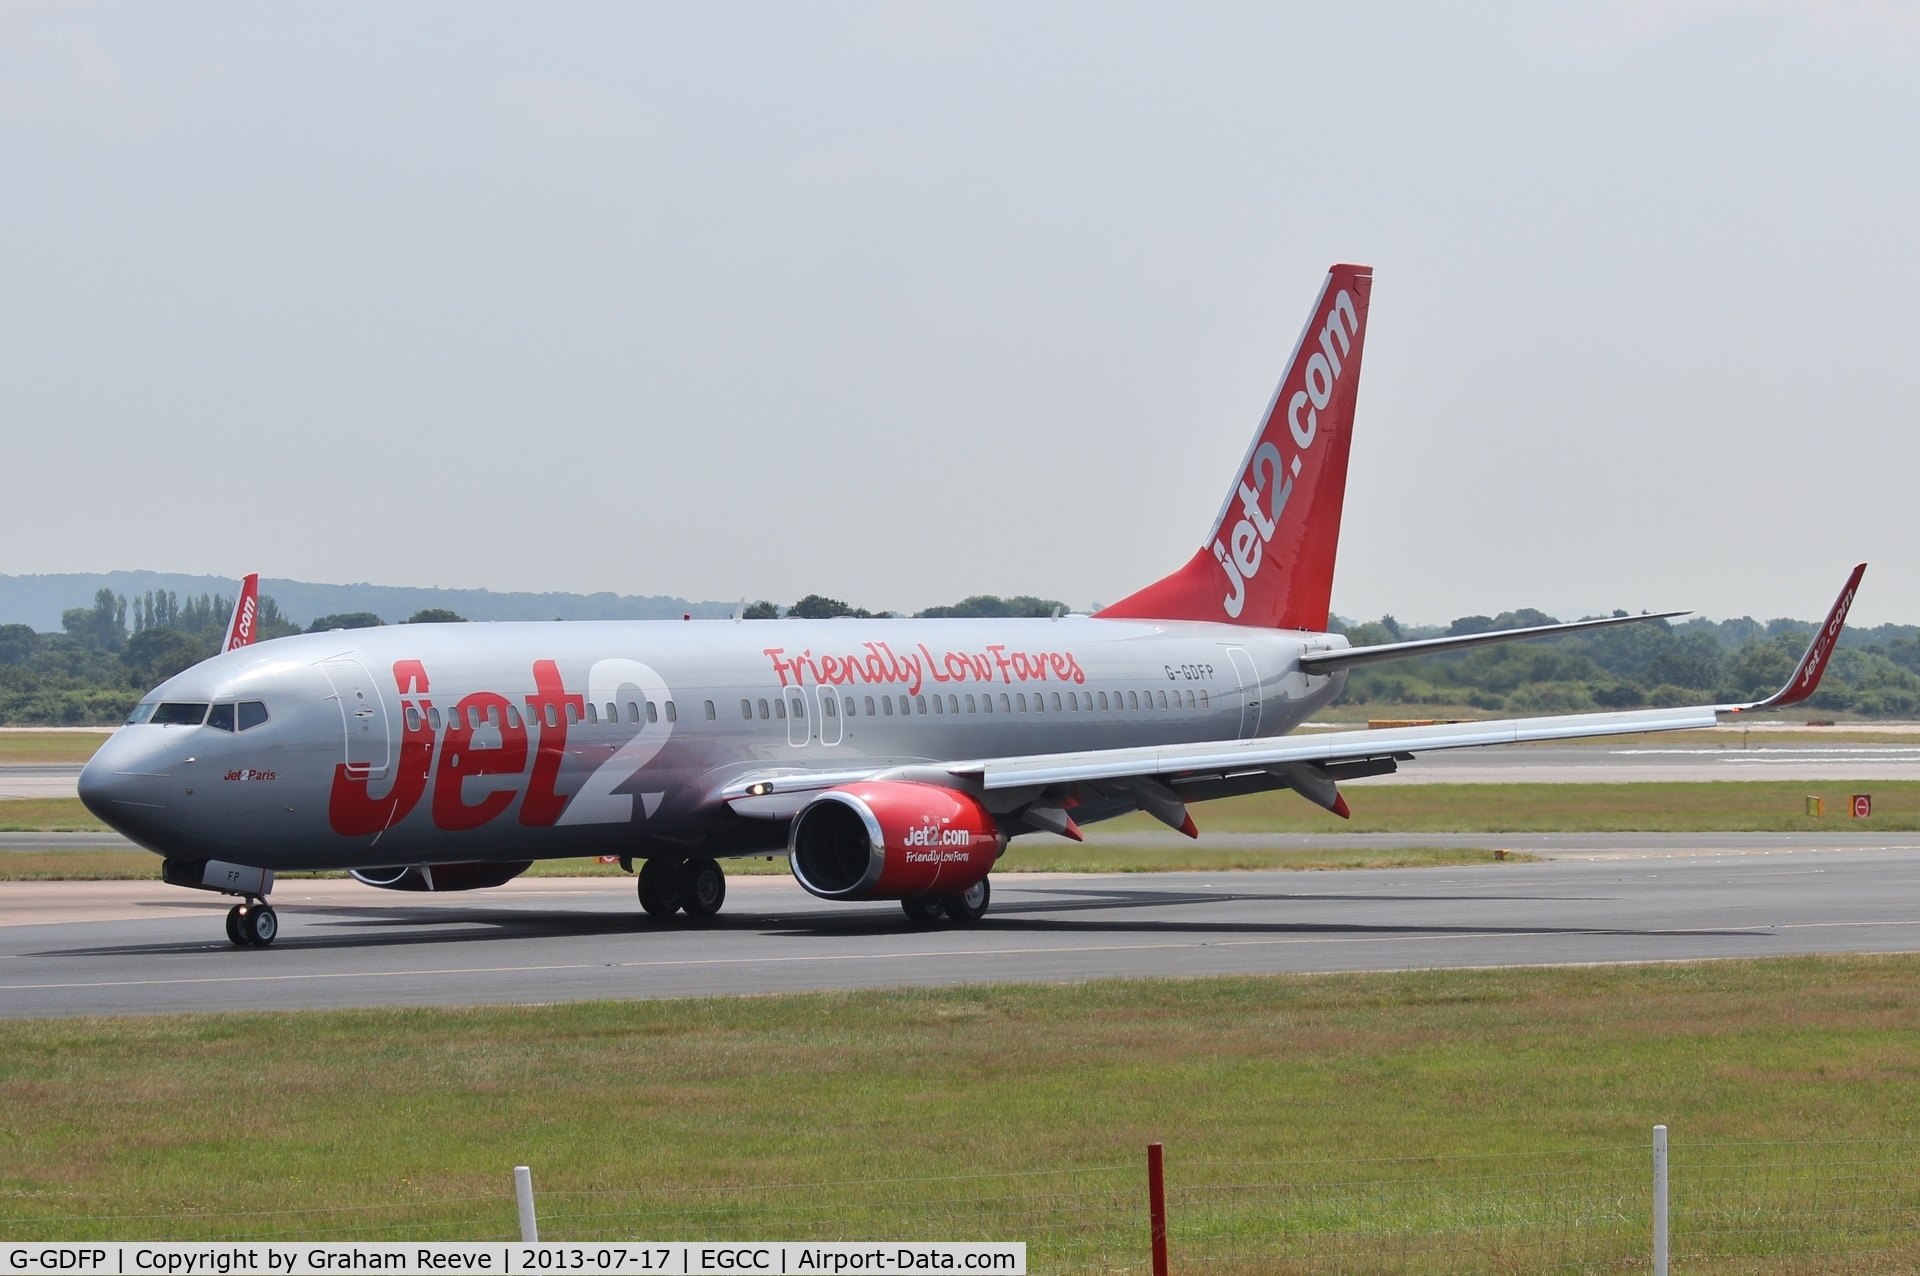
point(1874, 672)
point(107, 656)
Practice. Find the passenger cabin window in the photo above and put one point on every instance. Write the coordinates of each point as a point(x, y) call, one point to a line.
point(969, 704)
point(1133, 701)
point(513, 717)
point(1203, 697)
point(1163, 699)
point(593, 714)
point(673, 714)
point(573, 714)
point(712, 716)
point(953, 704)
point(1006, 705)
point(433, 718)
point(413, 719)
point(779, 708)
point(174, 714)
point(937, 706)
point(746, 710)
point(920, 704)
point(886, 703)
point(1056, 702)
point(869, 706)
point(221, 719)
point(765, 712)
point(827, 706)
point(847, 704)
point(653, 712)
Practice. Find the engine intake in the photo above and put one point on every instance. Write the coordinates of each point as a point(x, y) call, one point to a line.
point(440, 877)
point(892, 839)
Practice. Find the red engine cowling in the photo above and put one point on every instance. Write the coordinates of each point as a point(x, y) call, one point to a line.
point(892, 839)
point(440, 877)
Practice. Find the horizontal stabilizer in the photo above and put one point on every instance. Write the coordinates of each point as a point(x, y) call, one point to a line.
point(1348, 657)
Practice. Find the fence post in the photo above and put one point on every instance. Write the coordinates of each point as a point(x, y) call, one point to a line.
point(1659, 1200)
point(523, 1189)
point(1157, 1208)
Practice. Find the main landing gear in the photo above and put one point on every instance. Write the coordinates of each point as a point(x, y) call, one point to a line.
point(253, 924)
point(695, 886)
point(964, 909)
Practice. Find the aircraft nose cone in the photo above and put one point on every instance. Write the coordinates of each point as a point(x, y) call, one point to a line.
point(127, 776)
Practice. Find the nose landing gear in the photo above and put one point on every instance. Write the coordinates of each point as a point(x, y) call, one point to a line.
point(252, 924)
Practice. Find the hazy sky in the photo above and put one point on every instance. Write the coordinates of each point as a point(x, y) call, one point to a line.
point(905, 301)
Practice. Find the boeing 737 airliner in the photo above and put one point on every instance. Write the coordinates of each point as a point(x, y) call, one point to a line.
point(890, 759)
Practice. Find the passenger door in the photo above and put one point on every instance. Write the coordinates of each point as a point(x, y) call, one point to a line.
point(363, 718)
point(1249, 679)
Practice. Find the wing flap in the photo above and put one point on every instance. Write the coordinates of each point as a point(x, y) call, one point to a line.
point(1249, 755)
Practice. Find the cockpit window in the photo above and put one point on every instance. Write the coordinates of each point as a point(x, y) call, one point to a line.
point(141, 713)
point(221, 719)
point(252, 714)
point(174, 714)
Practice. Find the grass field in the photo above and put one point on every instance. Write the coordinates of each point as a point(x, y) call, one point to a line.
point(674, 1118)
point(115, 865)
point(49, 746)
point(1758, 806)
point(47, 815)
point(1730, 806)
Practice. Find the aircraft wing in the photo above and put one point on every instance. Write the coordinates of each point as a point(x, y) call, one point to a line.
point(1161, 779)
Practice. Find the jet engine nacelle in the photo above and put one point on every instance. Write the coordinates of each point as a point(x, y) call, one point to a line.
point(892, 839)
point(440, 877)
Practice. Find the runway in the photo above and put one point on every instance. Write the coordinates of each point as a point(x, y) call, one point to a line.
point(139, 947)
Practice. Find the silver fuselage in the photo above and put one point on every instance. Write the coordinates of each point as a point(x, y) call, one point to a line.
point(358, 720)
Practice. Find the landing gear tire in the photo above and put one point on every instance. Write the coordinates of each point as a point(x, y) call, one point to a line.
point(253, 925)
point(922, 910)
point(703, 888)
point(660, 887)
point(263, 925)
point(968, 907)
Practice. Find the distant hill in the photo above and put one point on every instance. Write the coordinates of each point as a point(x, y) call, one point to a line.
point(39, 600)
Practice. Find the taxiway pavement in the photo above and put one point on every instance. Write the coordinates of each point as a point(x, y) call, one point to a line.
point(140, 947)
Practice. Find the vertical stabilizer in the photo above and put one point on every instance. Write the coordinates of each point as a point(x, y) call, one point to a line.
point(1268, 560)
point(244, 627)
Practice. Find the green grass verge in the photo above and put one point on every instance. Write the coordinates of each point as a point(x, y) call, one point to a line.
point(1723, 807)
point(671, 1119)
point(50, 746)
point(113, 865)
point(47, 815)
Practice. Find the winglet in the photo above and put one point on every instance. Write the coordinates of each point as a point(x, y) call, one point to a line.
point(244, 627)
point(1806, 676)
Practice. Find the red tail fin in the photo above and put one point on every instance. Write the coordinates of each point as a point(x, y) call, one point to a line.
point(245, 625)
point(1269, 559)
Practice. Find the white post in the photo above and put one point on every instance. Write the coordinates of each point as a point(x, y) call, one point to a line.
point(1659, 1200)
point(530, 1230)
